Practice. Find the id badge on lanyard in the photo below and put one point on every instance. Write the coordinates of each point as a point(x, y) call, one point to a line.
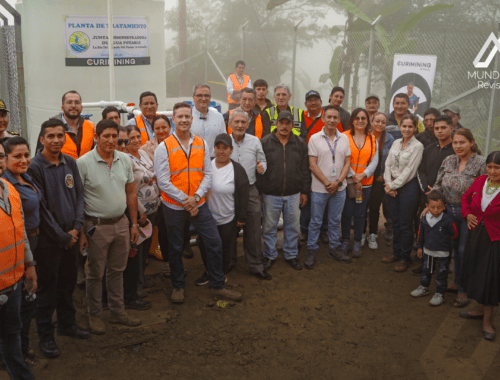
point(333, 168)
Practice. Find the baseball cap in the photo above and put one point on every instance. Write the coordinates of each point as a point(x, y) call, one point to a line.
point(372, 96)
point(453, 108)
point(313, 93)
point(225, 139)
point(2, 106)
point(285, 115)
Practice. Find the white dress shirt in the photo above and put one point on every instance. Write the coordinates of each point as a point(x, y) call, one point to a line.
point(208, 127)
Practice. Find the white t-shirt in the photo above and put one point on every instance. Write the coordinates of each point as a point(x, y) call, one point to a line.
point(318, 147)
point(220, 198)
point(486, 199)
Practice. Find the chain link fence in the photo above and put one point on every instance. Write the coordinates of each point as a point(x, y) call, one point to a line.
point(9, 89)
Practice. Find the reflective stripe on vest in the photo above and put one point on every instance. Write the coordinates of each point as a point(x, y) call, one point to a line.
point(86, 144)
point(361, 158)
point(142, 128)
point(11, 241)
point(258, 125)
point(236, 86)
point(297, 115)
point(186, 173)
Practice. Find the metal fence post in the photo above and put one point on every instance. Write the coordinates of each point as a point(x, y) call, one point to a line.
point(491, 113)
point(293, 60)
point(370, 55)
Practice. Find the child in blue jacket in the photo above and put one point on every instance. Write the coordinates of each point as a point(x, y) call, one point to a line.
point(434, 244)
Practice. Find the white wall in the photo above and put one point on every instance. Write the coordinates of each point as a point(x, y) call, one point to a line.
point(47, 78)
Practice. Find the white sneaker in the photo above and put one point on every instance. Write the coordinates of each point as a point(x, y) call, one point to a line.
point(363, 239)
point(421, 291)
point(437, 299)
point(372, 241)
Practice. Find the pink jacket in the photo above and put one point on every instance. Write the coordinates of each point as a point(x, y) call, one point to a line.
point(471, 204)
point(150, 148)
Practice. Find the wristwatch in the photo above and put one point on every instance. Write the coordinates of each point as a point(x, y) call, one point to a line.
point(339, 182)
point(197, 198)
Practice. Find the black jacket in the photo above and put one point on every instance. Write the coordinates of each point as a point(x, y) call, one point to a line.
point(287, 167)
point(432, 159)
point(241, 192)
point(426, 138)
point(437, 238)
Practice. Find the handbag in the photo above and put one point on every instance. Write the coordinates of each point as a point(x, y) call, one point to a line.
point(351, 188)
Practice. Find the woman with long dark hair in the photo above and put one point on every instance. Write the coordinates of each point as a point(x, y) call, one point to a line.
point(455, 176)
point(401, 187)
point(481, 263)
point(364, 160)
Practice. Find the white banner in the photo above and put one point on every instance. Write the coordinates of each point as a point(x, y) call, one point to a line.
point(86, 41)
point(414, 75)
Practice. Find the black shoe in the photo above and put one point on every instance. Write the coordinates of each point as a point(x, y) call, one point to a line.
point(310, 259)
point(148, 283)
point(268, 263)
point(138, 304)
point(49, 349)
point(294, 263)
point(263, 275)
point(203, 280)
point(188, 252)
point(418, 271)
point(74, 331)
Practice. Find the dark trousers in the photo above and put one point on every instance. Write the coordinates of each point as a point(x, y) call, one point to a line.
point(163, 233)
point(252, 232)
point(459, 243)
point(130, 278)
point(143, 253)
point(433, 265)
point(376, 199)
point(402, 208)
point(205, 226)
point(56, 270)
point(358, 210)
point(28, 308)
point(305, 218)
point(10, 337)
point(227, 233)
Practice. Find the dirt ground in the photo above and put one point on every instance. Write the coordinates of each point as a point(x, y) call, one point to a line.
point(336, 321)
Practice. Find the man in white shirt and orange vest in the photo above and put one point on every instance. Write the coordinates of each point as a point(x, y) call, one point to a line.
point(184, 175)
point(148, 104)
point(79, 131)
point(235, 83)
point(247, 104)
point(16, 261)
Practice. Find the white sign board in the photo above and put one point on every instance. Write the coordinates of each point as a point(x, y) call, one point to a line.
point(86, 41)
point(414, 76)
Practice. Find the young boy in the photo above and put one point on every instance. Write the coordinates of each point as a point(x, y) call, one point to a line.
point(436, 231)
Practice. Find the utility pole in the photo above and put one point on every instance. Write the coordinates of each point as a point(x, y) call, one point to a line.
point(370, 55)
point(111, 59)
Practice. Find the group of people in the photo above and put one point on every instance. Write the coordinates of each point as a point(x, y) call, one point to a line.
point(81, 209)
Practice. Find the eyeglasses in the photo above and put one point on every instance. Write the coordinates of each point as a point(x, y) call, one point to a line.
point(3, 157)
point(203, 96)
point(122, 142)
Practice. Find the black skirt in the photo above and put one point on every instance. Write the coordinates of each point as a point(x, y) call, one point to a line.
point(481, 267)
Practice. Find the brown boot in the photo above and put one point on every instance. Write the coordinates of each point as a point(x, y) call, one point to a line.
point(178, 295)
point(226, 293)
point(96, 324)
point(124, 319)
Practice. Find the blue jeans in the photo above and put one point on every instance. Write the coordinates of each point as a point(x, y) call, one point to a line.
point(459, 242)
point(10, 336)
point(273, 207)
point(402, 208)
point(333, 204)
point(305, 218)
point(358, 210)
point(206, 227)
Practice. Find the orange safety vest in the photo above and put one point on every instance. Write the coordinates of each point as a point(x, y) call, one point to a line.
point(186, 173)
point(11, 241)
point(86, 144)
point(361, 158)
point(258, 125)
point(142, 128)
point(236, 86)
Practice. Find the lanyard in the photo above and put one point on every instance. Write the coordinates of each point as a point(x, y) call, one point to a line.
point(334, 145)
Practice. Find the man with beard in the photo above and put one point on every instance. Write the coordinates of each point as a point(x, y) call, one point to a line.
point(79, 132)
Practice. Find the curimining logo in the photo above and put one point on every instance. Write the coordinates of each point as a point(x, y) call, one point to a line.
point(486, 79)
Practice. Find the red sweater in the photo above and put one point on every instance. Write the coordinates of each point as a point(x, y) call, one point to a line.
point(471, 204)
